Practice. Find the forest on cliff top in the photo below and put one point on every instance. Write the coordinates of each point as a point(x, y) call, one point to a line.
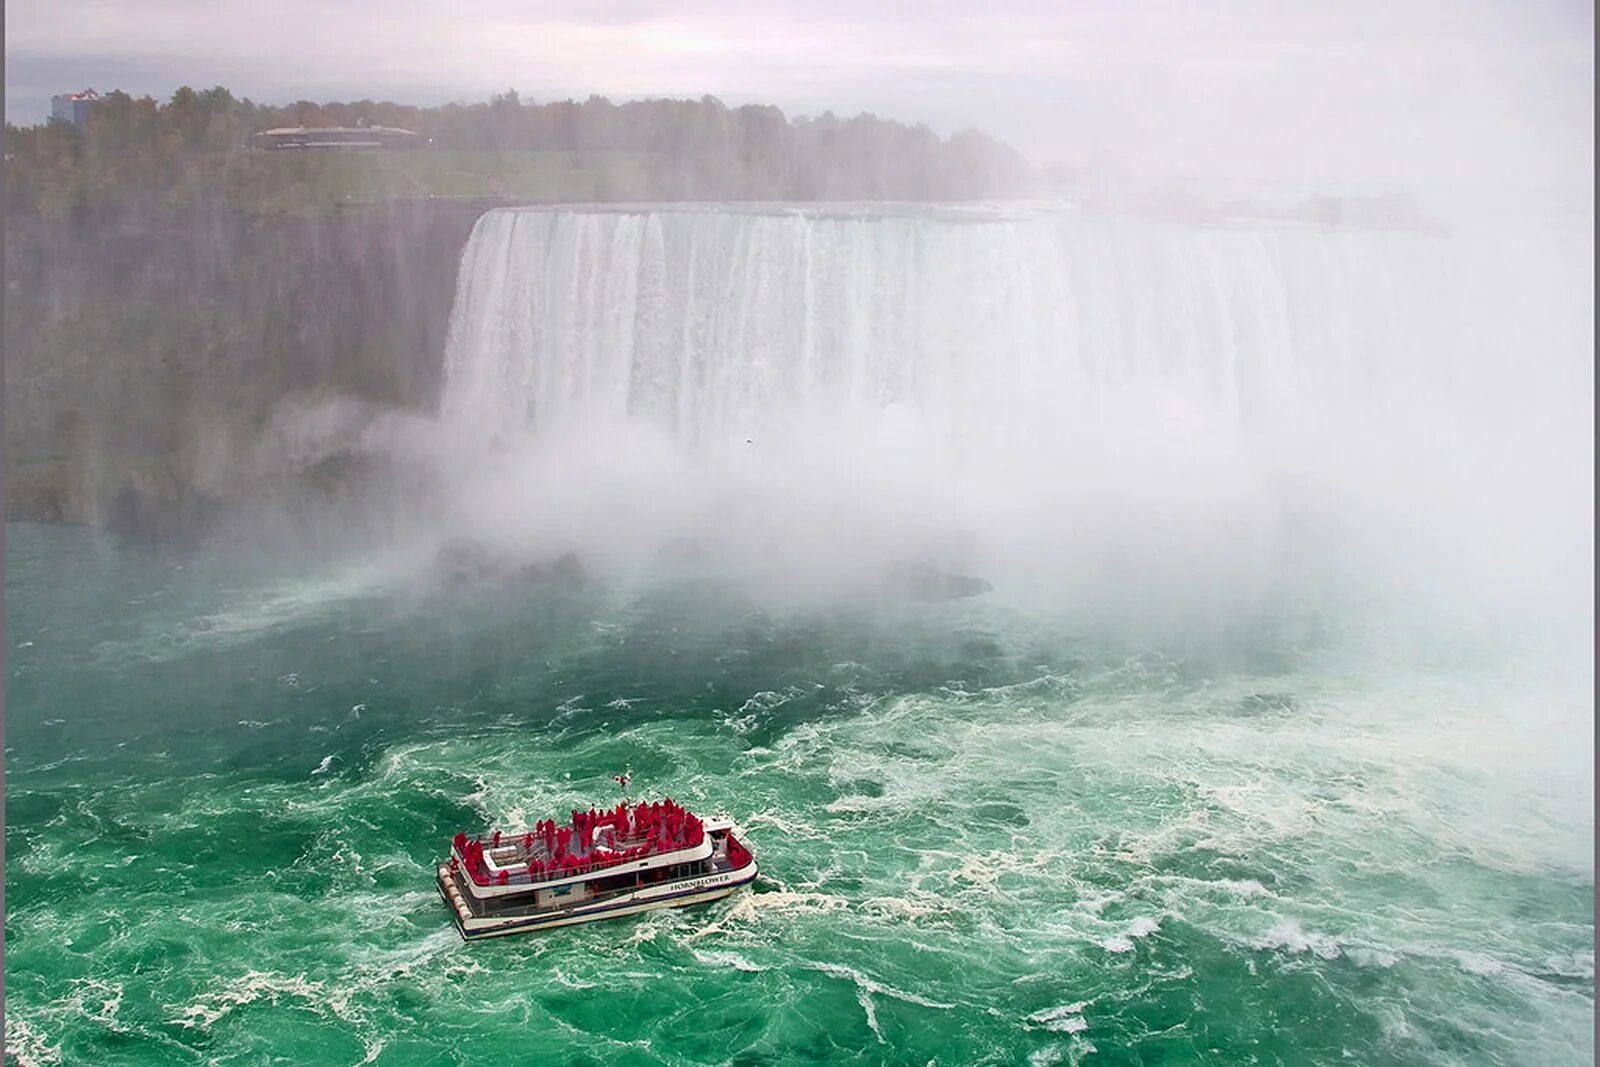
point(138, 157)
point(167, 285)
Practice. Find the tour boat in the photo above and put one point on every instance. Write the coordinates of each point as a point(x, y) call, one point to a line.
point(600, 865)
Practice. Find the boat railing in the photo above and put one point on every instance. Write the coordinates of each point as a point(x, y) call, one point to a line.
point(603, 840)
point(517, 872)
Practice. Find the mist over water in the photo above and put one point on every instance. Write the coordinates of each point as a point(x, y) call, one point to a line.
point(1151, 623)
point(1090, 407)
point(1272, 738)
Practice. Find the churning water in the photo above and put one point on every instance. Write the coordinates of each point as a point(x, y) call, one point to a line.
point(1271, 741)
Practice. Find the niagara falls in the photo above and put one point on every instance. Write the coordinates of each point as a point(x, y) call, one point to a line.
point(1120, 555)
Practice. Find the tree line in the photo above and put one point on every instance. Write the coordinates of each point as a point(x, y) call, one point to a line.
point(167, 286)
point(135, 156)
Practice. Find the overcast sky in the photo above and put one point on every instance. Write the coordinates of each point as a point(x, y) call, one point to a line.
point(1395, 92)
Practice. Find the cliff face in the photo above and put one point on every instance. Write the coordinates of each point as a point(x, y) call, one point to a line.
point(142, 364)
point(174, 299)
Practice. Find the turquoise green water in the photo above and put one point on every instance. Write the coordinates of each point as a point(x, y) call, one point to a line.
point(987, 836)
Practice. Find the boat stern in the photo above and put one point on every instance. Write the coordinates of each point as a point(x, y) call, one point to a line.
point(450, 890)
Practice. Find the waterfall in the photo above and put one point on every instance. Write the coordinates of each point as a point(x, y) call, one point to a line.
point(719, 323)
point(1041, 365)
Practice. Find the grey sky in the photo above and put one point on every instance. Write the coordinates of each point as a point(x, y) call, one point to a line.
point(1407, 93)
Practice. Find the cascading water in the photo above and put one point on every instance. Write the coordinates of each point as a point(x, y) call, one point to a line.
point(721, 325)
point(1050, 383)
point(1254, 752)
point(718, 324)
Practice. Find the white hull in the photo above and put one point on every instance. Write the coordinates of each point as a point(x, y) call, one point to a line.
point(685, 893)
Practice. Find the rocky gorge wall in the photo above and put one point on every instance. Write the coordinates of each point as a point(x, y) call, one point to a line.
point(146, 366)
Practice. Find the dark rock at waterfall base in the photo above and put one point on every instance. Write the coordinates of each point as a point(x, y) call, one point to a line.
point(171, 514)
point(684, 552)
point(924, 581)
point(464, 561)
point(568, 571)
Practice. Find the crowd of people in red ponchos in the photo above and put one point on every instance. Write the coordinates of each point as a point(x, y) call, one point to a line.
point(592, 841)
point(738, 855)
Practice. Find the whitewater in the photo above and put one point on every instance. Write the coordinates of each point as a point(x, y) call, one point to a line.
point(1271, 740)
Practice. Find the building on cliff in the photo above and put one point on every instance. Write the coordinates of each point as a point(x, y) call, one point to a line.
point(337, 137)
point(73, 107)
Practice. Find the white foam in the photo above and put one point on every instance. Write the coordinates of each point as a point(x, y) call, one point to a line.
point(1064, 1019)
point(785, 825)
point(728, 959)
point(867, 987)
point(1291, 937)
point(28, 1044)
point(208, 1008)
point(907, 909)
point(1477, 963)
point(1143, 926)
point(839, 970)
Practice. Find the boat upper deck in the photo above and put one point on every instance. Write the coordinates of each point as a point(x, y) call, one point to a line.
point(592, 843)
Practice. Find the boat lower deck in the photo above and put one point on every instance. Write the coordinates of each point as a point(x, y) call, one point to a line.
point(690, 862)
point(718, 881)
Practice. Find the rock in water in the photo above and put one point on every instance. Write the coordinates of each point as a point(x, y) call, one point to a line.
point(684, 552)
point(568, 571)
point(923, 581)
point(463, 560)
